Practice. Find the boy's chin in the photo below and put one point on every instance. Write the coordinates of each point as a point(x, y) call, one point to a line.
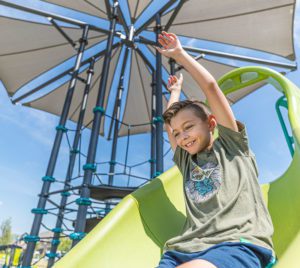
point(194, 151)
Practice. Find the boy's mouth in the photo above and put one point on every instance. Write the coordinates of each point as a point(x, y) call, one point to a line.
point(188, 145)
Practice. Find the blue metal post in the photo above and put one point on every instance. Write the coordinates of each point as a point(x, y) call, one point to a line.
point(90, 167)
point(48, 178)
point(158, 101)
point(74, 151)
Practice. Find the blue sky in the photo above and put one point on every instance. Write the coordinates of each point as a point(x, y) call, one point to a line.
point(27, 136)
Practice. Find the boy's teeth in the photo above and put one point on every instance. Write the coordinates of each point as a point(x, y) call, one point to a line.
point(189, 144)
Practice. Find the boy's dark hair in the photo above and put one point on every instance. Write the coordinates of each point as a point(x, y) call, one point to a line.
point(198, 107)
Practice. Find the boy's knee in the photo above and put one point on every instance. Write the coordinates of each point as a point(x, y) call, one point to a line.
point(197, 264)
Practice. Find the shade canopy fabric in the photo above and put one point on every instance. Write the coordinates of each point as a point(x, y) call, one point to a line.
point(260, 25)
point(53, 102)
point(256, 24)
point(30, 49)
point(92, 7)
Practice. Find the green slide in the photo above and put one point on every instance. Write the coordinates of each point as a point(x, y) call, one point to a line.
point(134, 232)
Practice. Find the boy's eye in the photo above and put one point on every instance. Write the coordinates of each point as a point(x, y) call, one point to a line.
point(188, 127)
point(175, 135)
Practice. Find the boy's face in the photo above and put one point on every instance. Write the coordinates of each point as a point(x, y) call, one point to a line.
point(191, 133)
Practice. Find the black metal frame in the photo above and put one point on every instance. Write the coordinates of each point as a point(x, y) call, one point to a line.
point(73, 154)
point(85, 191)
point(54, 153)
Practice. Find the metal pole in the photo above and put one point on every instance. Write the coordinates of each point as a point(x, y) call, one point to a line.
point(117, 117)
point(48, 178)
point(74, 151)
point(90, 167)
point(153, 132)
point(158, 101)
point(172, 67)
point(292, 66)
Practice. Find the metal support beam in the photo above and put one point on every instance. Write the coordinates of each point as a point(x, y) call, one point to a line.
point(62, 32)
point(174, 15)
point(153, 132)
point(73, 153)
point(153, 17)
point(292, 66)
point(55, 16)
point(54, 154)
point(60, 75)
point(158, 106)
point(172, 66)
point(116, 115)
point(48, 14)
point(89, 167)
point(203, 52)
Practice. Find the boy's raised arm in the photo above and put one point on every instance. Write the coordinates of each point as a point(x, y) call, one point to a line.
point(174, 86)
point(215, 97)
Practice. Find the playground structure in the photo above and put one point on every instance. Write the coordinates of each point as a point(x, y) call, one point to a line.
point(137, 221)
point(86, 194)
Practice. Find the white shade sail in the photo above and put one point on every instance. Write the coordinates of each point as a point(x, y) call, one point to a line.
point(29, 49)
point(53, 102)
point(255, 24)
point(92, 7)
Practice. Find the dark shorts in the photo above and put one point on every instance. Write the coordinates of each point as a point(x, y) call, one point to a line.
point(223, 255)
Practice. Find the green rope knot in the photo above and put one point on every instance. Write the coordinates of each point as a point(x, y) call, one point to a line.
point(89, 166)
point(62, 128)
point(31, 238)
point(74, 151)
point(77, 236)
point(51, 255)
point(48, 178)
point(113, 162)
point(55, 242)
point(39, 211)
point(99, 109)
point(57, 230)
point(85, 201)
point(152, 160)
point(65, 193)
point(157, 119)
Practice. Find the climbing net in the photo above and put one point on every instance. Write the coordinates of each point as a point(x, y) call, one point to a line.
point(108, 176)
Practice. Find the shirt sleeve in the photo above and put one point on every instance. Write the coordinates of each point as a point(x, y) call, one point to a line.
point(235, 142)
point(180, 158)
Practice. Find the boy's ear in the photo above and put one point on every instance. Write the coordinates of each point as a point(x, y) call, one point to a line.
point(212, 122)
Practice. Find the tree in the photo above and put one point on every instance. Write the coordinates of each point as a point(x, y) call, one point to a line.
point(6, 234)
point(65, 244)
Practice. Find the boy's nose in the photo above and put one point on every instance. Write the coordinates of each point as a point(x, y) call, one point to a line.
point(184, 136)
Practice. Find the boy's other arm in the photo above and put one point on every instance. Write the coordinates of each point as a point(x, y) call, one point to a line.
point(215, 97)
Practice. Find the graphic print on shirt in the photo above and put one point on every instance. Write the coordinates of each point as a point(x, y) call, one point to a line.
point(204, 182)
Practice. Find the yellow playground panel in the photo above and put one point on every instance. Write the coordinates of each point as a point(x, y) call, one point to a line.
point(134, 232)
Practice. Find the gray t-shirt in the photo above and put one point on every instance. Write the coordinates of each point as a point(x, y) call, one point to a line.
point(222, 195)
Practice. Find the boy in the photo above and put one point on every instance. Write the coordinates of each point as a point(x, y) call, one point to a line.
point(228, 224)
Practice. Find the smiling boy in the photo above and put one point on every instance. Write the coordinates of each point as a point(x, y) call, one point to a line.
point(227, 224)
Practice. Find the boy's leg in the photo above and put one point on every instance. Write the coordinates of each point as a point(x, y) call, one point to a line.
point(197, 264)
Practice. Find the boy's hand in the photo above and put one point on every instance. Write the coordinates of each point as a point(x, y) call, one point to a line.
point(174, 83)
point(171, 45)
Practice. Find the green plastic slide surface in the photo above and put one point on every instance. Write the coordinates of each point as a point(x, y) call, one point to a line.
point(133, 233)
